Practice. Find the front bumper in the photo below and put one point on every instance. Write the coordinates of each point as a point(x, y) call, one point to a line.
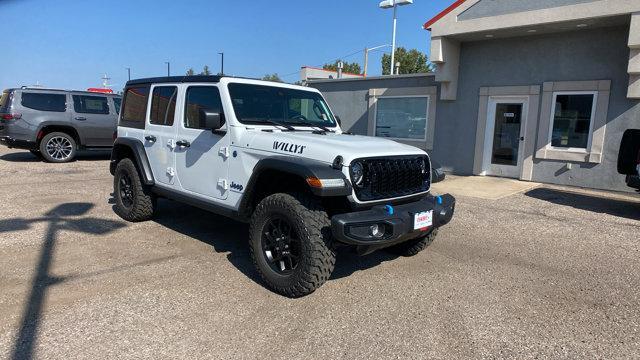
point(398, 223)
point(17, 143)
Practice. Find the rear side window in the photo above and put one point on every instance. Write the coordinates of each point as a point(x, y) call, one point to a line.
point(163, 105)
point(134, 107)
point(45, 102)
point(4, 99)
point(201, 98)
point(86, 104)
point(116, 103)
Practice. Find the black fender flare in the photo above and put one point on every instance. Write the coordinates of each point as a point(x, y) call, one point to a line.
point(300, 167)
point(139, 157)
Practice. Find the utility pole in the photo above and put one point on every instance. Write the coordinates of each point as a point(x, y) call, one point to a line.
point(128, 73)
point(168, 68)
point(221, 63)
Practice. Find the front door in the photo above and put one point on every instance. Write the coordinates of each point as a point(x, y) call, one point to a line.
point(504, 137)
point(160, 133)
point(202, 155)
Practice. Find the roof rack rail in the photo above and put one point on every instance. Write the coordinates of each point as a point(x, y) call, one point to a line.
point(41, 88)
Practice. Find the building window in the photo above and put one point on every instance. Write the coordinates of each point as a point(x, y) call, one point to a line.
point(402, 117)
point(572, 119)
point(163, 105)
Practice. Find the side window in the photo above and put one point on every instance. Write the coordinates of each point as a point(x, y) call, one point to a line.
point(116, 103)
point(85, 104)
point(45, 102)
point(134, 107)
point(163, 105)
point(199, 99)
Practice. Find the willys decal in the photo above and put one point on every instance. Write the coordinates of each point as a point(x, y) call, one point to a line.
point(287, 147)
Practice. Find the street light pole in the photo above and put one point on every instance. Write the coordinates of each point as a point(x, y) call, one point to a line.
point(221, 63)
point(366, 56)
point(168, 68)
point(393, 39)
point(388, 4)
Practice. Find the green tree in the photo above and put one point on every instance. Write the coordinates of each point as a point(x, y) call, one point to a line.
point(206, 71)
point(190, 72)
point(353, 68)
point(272, 77)
point(411, 62)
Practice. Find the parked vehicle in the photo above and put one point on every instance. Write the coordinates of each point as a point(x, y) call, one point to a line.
point(54, 124)
point(629, 157)
point(273, 155)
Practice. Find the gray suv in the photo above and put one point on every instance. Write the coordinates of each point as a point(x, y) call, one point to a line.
point(54, 124)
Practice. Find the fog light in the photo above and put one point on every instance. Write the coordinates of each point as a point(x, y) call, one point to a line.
point(376, 230)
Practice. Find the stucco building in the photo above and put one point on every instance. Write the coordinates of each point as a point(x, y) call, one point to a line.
point(538, 90)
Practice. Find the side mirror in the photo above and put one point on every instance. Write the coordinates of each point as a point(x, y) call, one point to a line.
point(338, 120)
point(212, 120)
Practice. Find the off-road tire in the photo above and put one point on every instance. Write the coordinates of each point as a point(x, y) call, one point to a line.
point(312, 225)
point(69, 152)
point(143, 201)
point(413, 247)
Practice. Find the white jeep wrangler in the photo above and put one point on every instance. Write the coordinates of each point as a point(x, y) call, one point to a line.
point(273, 155)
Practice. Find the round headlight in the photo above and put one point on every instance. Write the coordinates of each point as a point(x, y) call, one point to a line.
point(357, 174)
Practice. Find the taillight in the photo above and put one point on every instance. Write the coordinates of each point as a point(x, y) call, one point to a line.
point(10, 116)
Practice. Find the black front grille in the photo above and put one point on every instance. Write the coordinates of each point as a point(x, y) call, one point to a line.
point(386, 178)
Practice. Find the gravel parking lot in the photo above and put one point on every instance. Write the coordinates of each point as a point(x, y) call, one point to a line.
point(549, 273)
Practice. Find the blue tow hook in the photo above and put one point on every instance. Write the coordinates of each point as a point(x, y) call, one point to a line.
point(388, 209)
point(439, 199)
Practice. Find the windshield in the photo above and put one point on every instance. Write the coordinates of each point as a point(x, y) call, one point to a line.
point(259, 104)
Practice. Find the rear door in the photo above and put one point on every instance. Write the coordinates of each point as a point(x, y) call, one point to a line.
point(160, 132)
point(94, 119)
point(202, 156)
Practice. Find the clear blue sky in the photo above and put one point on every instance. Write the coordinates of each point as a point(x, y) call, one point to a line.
point(72, 43)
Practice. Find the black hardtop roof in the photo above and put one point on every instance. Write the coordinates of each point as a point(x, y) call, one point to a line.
point(175, 79)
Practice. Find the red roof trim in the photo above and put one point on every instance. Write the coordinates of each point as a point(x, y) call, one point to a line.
point(427, 25)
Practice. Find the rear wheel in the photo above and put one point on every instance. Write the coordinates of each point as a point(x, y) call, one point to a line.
point(134, 200)
point(58, 147)
point(413, 247)
point(290, 243)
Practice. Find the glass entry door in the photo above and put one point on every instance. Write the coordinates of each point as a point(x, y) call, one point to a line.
point(503, 149)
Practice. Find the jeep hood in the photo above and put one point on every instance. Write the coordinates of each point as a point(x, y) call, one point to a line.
point(325, 147)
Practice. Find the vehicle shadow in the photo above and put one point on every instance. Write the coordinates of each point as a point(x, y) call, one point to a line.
point(230, 236)
point(27, 157)
point(597, 204)
point(64, 217)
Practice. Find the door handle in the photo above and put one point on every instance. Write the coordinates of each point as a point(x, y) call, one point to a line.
point(150, 138)
point(80, 118)
point(183, 143)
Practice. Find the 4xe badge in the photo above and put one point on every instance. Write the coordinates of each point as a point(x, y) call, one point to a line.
point(287, 147)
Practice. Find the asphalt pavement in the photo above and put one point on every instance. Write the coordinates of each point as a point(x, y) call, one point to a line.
point(551, 272)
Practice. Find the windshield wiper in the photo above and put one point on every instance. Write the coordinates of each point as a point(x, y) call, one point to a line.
point(286, 126)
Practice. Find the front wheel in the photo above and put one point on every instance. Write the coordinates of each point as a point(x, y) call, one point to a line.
point(58, 147)
point(134, 200)
point(290, 243)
